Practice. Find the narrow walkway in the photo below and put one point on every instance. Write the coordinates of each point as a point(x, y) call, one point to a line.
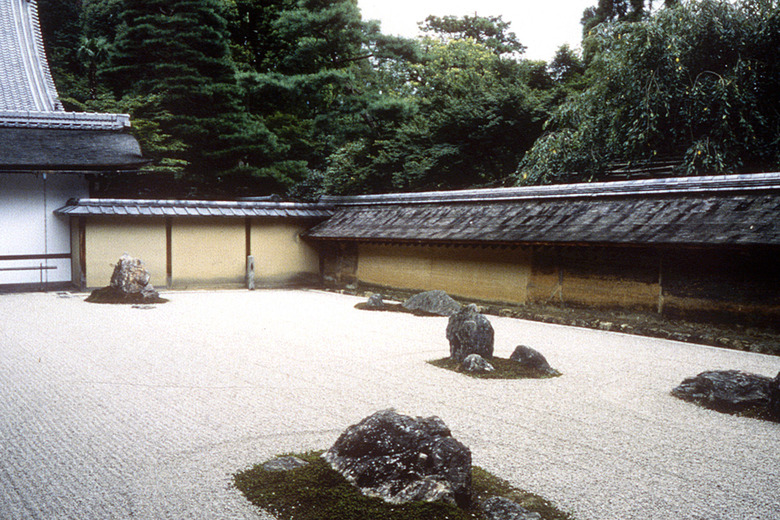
point(119, 412)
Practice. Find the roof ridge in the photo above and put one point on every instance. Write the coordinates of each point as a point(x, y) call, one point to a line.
point(671, 185)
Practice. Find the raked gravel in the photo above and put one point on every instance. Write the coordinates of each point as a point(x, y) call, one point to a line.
point(119, 412)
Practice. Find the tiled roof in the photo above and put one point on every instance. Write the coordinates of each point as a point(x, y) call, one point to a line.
point(736, 210)
point(24, 72)
point(193, 208)
point(35, 131)
point(67, 120)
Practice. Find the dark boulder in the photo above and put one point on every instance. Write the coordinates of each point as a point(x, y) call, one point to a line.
point(730, 391)
point(432, 302)
point(500, 508)
point(402, 459)
point(476, 363)
point(469, 332)
point(774, 398)
point(130, 283)
point(532, 359)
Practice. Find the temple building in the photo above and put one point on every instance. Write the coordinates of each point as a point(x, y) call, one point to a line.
point(46, 156)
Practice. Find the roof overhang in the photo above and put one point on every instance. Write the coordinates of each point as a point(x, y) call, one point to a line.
point(68, 150)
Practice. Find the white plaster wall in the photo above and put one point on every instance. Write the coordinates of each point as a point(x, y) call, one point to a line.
point(28, 225)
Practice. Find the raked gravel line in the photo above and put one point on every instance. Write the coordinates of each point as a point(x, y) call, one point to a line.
point(118, 412)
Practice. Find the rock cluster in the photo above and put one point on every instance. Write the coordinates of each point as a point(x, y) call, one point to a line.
point(469, 332)
point(432, 302)
point(130, 283)
point(729, 391)
point(402, 459)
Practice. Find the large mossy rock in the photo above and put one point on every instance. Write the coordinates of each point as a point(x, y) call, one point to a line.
point(432, 302)
point(402, 459)
point(729, 391)
point(469, 332)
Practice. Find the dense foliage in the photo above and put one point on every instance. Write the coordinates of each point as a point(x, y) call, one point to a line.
point(246, 97)
point(698, 83)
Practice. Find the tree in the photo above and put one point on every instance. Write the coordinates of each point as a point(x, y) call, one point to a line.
point(566, 65)
point(314, 91)
point(491, 31)
point(698, 82)
point(92, 53)
point(464, 119)
point(175, 55)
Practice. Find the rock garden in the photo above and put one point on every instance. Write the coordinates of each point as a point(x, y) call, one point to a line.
point(389, 466)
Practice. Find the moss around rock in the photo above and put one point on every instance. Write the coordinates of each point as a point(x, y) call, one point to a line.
point(317, 492)
point(504, 369)
point(112, 295)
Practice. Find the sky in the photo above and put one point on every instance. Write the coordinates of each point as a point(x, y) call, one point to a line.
point(541, 25)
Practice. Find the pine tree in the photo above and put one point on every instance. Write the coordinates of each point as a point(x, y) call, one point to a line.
point(175, 54)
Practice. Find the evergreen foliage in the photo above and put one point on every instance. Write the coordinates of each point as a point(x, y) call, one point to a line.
point(175, 54)
point(248, 97)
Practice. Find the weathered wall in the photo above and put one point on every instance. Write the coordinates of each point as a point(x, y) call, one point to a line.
point(738, 285)
point(281, 257)
point(490, 273)
point(108, 238)
point(719, 284)
point(208, 252)
point(601, 277)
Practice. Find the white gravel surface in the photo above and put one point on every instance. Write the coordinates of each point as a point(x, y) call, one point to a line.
point(117, 412)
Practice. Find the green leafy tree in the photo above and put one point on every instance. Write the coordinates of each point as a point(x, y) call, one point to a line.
point(464, 118)
point(491, 31)
point(699, 82)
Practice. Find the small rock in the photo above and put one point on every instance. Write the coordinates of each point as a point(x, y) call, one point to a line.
point(506, 313)
point(532, 359)
point(284, 464)
point(476, 363)
point(402, 459)
point(605, 325)
point(729, 391)
point(500, 508)
point(432, 302)
point(376, 302)
point(469, 332)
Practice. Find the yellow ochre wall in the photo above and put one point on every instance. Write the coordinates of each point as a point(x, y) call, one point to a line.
point(204, 252)
point(281, 257)
point(474, 272)
point(107, 238)
point(208, 252)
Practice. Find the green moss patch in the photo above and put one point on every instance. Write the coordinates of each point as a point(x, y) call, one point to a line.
point(394, 307)
point(113, 296)
point(504, 369)
point(317, 492)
